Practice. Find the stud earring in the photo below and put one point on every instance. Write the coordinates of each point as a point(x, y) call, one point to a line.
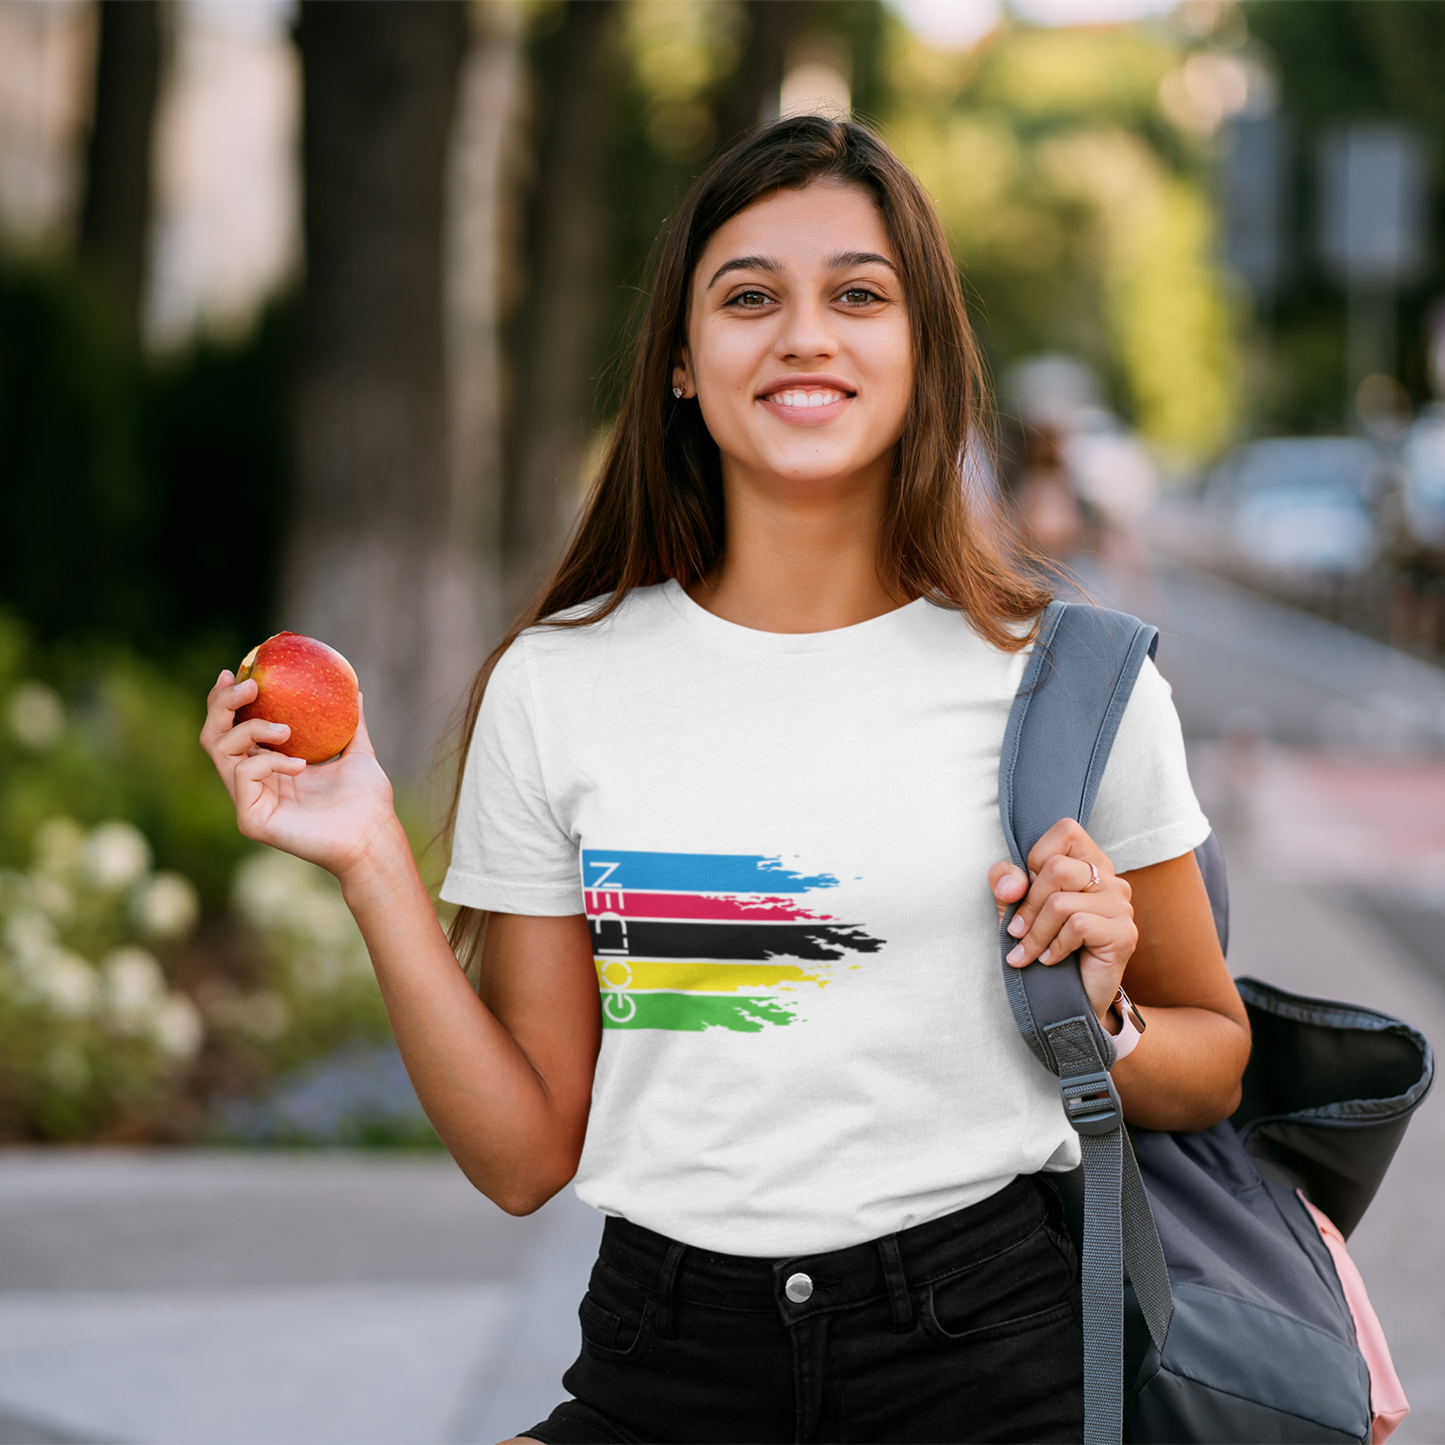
point(677, 391)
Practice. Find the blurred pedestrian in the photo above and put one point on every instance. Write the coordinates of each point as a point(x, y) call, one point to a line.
point(1050, 516)
point(737, 769)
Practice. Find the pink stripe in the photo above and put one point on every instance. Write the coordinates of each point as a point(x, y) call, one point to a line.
point(1388, 1404)
point(740, 907)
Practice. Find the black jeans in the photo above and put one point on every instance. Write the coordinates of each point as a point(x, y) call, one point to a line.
point(963, 1329)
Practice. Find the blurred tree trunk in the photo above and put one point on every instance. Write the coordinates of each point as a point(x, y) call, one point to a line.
point(751, 94)
point(369, 523)
point(115, 207)
point(556, 333)
point(484, 188)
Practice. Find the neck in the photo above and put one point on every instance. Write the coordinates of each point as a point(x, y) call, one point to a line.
point(799, 558)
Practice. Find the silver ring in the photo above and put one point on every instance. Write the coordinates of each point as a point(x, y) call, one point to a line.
point(1093, 881)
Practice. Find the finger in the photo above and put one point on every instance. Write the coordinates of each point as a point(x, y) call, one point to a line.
point(224, 678)
point(1060, 873)
point(1109, 939)
point(222, 704)
point(1061, 906)
point(1043, 935)
point(253, 773)
point(1067, 838)
point(229, 693)
point(255, 732)
point(361, 739)
point(1007, 883)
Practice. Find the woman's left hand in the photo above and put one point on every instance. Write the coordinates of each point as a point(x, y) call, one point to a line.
point(1064, 909)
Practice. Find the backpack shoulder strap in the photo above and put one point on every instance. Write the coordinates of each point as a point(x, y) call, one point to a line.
point(1075, 688)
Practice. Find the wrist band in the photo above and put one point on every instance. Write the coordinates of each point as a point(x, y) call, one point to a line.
point(1131, 1026)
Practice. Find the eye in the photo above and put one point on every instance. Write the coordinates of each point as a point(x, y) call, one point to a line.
point(750, 300)
point(860, 296)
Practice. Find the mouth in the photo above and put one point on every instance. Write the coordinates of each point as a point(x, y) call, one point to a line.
point(806, 400)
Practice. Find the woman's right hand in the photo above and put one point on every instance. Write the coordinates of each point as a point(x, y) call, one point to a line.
point(328, 813)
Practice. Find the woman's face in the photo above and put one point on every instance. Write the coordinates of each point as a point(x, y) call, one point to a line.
point(798, 345)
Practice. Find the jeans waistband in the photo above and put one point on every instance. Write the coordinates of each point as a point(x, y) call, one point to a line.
point(836, 1279)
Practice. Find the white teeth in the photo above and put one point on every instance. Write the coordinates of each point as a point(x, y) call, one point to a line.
point(803, 399)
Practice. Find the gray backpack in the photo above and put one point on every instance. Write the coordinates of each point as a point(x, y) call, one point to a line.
point(1213, 1309)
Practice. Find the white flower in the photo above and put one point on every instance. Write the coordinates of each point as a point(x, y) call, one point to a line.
point(62, 980)
point(178, 1028)
point(270, 886)
point(116, 855)
point(165, 907)
point(54, 897)
point(58, 843)
point(35, 715)
point(66, 1068)
point(28, 934)
point(135, 989)
point(327, 921)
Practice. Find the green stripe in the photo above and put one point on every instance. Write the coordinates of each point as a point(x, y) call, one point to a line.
point(691, 1012)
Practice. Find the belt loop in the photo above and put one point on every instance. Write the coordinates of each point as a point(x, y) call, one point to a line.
point(898, 1296)
point(666, 1279)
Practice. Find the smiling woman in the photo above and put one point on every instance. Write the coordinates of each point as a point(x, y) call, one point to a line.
point(726, 853)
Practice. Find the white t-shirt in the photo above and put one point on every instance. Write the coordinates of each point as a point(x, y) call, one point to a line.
point(783, 843)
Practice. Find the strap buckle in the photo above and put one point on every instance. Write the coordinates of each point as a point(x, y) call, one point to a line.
point(1091, 1103)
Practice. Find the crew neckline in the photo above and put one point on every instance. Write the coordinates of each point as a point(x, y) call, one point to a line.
point(857, 634)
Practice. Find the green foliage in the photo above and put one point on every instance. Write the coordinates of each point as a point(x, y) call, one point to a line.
point(122, 478)
point(216, 447)
point(1341, 61)
point(73, 484)
point(97, 733)
point(1080, 222)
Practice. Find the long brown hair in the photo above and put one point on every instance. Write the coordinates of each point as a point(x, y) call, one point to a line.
point(656, 510)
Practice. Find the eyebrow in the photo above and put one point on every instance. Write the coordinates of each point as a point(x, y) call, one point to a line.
point(836, 262)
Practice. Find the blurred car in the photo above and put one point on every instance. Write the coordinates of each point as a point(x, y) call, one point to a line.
point(1302, 504)
point(1423, 456)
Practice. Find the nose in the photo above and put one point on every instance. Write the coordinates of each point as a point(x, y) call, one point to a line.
point(806, 334)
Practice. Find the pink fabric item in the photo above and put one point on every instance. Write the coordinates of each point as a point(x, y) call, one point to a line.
point(1388, 1404)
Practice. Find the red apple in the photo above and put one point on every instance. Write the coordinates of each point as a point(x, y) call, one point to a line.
point(308, 686)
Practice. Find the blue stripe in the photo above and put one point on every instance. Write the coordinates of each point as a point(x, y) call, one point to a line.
point(696, 873)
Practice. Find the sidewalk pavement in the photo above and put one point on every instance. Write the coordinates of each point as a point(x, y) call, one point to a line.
point(210, 1297)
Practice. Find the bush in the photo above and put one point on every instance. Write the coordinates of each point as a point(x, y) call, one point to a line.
point(88, 1025)
point(135, 1003)
point(318, 991)
point(97, 734)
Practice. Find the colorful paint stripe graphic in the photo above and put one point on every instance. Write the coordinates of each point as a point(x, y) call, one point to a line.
point(695, 941)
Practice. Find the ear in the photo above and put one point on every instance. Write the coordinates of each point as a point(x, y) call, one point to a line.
point(682, 374)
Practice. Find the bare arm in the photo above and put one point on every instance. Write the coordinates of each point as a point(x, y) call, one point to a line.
point(1185, 1074)
point(506, 1079)
point(507, 1082)
point(1152, 930)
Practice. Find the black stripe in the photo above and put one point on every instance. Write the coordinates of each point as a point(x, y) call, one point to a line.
point(672, 939)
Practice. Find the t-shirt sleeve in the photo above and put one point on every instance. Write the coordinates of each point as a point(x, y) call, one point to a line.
point(509, 853)
point(1146, 811)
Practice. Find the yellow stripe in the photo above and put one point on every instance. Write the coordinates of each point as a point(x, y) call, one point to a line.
point(645, 973)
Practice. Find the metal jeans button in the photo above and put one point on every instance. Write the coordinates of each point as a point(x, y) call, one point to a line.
point(799, 1288)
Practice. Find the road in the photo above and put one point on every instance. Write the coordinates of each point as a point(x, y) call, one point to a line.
point(209, 1297)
